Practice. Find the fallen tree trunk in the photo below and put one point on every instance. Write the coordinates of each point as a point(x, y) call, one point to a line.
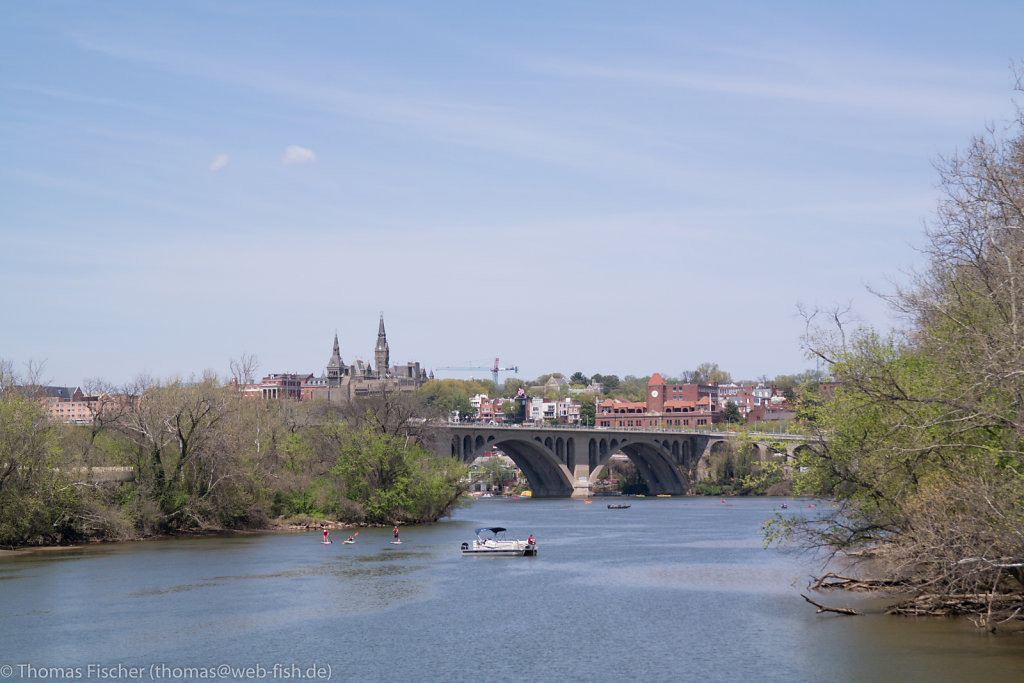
point(832, 581)
point(837, 610)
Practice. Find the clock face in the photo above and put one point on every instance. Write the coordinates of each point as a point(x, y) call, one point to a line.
point(654, 393)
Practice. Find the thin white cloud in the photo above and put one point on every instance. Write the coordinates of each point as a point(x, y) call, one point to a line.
point(219, 162)
point(298, 155)
point(807, 84)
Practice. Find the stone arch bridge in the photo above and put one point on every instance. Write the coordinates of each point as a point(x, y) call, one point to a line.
point(564, 462)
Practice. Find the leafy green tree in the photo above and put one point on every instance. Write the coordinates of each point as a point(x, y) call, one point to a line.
point(510, 410)
point(731, 413)
point(391, 480)
point(922, 442)
point(610, 383)
point(448, 395)
point(578, 379)
point(512, 387)
point(633, 388)
point(588, 409)
point(38, 502)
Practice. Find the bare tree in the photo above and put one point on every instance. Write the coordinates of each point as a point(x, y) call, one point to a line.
point(243, 370)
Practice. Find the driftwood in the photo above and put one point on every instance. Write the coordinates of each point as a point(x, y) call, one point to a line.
point(837, 610)
point(986, 610)
point(960, 604)
point(832, 581)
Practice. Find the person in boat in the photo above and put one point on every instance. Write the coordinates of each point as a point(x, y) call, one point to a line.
point(530, 540)
point(351, 539)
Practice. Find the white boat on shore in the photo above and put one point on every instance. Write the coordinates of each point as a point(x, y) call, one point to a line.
point(491, 541)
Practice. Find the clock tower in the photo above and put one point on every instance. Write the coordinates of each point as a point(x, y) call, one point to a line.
point(655, 394)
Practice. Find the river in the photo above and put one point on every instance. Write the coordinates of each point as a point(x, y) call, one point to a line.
point(669, 589)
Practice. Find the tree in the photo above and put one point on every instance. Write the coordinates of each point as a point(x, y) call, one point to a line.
point(391, 480)
point(578, 379)
point(243, 370)
point(923, 440)
point(181, 451)
point(731, 413)
point(446, 396)
point(706, 373)
point(588, 410)
point(512, 387)
point(609, 382)
point(633, 388)
point(496, 471)
point(37, 501)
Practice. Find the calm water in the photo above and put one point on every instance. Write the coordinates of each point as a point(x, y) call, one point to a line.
point(670, 589)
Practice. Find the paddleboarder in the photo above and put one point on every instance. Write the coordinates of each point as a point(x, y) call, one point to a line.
point(326, 536)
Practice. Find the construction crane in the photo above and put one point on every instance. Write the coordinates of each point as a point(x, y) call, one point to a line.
point(494, 370)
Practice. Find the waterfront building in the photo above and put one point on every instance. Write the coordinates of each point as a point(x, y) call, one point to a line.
point(562, 411)
point(490, 409)
point(683, 406)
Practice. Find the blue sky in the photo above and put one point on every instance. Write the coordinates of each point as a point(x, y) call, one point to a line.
point(606, 187)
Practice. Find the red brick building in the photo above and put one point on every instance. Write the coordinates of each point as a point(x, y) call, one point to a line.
point(681, 406)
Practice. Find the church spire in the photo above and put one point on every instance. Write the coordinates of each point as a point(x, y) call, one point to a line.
point(335, 366)
point(381, 352)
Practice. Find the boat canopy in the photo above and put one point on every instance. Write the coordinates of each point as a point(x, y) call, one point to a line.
point(492, 529)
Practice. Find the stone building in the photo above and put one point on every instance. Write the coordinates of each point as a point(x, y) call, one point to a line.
point(342, 383)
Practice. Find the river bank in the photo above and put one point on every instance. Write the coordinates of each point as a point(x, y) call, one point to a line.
point(277, 526)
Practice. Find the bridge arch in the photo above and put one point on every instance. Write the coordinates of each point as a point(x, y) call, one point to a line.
point(654, 459)
point(565, 462)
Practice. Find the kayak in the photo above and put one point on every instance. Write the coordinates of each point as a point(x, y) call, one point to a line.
point(348, 541)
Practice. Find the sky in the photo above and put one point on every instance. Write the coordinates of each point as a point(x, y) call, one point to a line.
point(603, 187)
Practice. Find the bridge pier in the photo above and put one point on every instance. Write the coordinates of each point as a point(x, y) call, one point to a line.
point(581, 486)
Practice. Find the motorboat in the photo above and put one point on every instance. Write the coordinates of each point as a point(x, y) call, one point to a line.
point(491, 541)
point(617, 506)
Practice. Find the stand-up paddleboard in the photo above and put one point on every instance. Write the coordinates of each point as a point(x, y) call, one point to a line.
point(326, 542)
point(396, 543)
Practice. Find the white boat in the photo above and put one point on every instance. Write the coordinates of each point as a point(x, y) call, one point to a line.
point(491, 541)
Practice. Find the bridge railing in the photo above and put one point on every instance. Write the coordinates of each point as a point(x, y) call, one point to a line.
point(658, 430)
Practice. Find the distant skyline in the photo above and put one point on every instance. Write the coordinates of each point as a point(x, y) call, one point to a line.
point(574, 186)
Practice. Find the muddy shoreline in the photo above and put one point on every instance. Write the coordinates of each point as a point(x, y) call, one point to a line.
point(281, 527)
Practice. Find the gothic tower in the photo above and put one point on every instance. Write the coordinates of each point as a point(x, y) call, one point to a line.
point(335, 368)
point(381, 353)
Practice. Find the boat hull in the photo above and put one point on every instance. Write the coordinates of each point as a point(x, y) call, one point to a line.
point(508, 549)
